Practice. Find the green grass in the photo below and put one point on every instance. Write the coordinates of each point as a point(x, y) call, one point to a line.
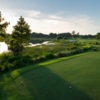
point(88, 40)
point(74, 78)
point(18, 72)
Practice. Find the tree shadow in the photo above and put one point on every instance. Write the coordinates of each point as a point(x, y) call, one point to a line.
point(7, 88)
point(44, 84)
point(1, 88)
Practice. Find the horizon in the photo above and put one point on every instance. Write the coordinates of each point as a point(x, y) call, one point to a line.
point(57, 16)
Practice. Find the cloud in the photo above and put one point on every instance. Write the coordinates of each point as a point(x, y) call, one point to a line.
point(57, 23)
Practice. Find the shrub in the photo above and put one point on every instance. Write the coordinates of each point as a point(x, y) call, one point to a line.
point(97, 43)
point(49, 56)
point(4, 62)
point(9, 61)
point(61, 54)
point(39, 59)
point(95, 49)
point(27, 60)
point(86, 48)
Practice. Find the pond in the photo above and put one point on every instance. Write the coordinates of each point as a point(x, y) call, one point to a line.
point(3, 47)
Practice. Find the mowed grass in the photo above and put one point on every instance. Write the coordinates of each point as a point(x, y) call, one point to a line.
point(77, 78)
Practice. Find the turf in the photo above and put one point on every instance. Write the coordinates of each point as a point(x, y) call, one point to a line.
point(77, 78)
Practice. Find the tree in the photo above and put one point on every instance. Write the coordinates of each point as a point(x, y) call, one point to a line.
point(52, 35)
point(20, 37)
point(98, 35)
point(3, 26)
point(59, 38)
point(73, 33)
point(67, 35)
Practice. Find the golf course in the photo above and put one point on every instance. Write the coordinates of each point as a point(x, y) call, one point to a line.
point(68, 78)
point(49, 50)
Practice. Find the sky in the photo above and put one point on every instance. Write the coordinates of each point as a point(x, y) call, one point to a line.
point(55, 16)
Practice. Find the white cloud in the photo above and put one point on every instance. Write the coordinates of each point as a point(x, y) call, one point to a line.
point(42, 22)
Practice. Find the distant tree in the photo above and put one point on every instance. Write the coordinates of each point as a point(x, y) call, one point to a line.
point(73, 33)
point(78, 33)
point(3, 26)
point(52, 35)
point(20, 37)
point(59, 38)
point(66, 35)
point(39, 35)
point(98, 35)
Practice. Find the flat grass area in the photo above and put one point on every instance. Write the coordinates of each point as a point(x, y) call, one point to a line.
point(73, 78)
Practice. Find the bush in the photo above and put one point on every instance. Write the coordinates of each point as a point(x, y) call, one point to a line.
point(49, 56)
point(95, 49)
point(39, 59)
point(97, 43)
point(27, 60)
point(4, 62)
point(87, 48)
point(61, 54)
point(9, 61)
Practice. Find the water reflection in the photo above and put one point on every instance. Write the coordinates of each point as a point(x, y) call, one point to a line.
point(3, 47)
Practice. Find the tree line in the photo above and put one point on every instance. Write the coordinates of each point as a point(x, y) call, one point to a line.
point(66, 35)
point(21, 35)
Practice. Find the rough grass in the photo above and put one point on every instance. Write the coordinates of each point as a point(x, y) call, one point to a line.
point(61, 79)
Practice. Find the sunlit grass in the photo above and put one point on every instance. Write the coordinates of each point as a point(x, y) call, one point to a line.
point(18, 72)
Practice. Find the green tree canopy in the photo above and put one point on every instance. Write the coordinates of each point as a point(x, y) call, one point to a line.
point(20, 36)
point(3, 27)
point(73, 33)
point(98, 35)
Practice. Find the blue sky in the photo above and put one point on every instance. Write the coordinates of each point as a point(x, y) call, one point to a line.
point(47, 16)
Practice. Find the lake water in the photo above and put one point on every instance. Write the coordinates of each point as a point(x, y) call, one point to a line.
point(3, 47)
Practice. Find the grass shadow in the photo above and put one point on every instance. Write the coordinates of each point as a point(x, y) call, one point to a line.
point(44, 84)
point(7, 88)
point(2, 86)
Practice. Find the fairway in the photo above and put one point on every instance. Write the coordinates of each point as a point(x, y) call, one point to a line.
point(77, 78)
